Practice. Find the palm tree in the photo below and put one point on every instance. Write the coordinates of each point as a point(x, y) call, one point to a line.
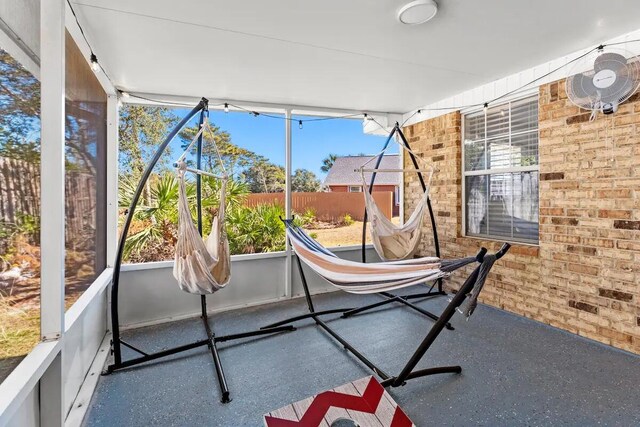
point(154, 226)
point(154, 222)
point(327, 163)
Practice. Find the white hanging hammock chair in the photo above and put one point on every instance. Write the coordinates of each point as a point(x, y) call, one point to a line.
point(202, 266)
point(395, 242)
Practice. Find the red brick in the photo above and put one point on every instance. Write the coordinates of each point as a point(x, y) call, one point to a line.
point(614, 214)
point(614, 194)
point(580, 118)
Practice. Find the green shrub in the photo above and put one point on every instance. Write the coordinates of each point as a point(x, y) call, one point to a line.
point(256, 229)
point(154, 226)
point(347, 220)
point(309, 216)
point(29, 225)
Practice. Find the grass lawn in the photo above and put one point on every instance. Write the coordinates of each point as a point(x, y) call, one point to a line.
point(19, 333)
point(347, 235)
point(20, 321)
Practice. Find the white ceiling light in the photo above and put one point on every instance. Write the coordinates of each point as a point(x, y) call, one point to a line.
point(417, 12)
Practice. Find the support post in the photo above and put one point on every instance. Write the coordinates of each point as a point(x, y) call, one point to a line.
point(112, 177)
point(288, 280)
point(52, 184)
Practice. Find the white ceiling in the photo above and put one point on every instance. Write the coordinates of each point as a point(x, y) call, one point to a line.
point(350, 54)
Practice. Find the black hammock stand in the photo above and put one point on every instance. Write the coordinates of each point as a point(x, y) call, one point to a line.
point(473, 283)
point(212, 339)
point(388, 296)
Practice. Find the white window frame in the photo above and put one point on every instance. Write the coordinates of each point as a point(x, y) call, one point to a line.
point(42, 372)
point(515, 169)
point(351, 188)
point(396, 195)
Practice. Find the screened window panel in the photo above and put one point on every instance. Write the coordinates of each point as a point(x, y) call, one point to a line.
point(332, 151)
point(86, 173)
point(19, 212)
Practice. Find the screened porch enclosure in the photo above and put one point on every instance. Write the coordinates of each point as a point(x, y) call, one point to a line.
point(318, 135)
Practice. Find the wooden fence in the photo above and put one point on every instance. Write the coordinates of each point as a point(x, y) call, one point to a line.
point(327, 206)
point(20, 197)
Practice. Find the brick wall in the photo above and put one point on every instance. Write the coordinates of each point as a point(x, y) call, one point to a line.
point(584, 276)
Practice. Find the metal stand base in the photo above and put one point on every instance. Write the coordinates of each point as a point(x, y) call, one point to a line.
point(312, 315)
point(387, 380)
point(403, 299)
point(407, 372)
point(210, 342)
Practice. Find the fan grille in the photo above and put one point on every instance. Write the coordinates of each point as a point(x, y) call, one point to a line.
point(613, 77)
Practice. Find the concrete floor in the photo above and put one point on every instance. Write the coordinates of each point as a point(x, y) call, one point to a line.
point(515, 371)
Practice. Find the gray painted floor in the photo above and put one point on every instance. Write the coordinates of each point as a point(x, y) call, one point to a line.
point(515, 371)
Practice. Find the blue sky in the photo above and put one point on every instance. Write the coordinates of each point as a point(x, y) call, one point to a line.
point(311, 144)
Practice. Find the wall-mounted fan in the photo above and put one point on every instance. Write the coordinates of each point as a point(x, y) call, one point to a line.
point(613, 76)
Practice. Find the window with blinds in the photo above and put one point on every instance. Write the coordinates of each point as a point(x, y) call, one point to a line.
point(500, 152)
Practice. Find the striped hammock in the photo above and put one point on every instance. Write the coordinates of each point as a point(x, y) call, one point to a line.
point(360, 278)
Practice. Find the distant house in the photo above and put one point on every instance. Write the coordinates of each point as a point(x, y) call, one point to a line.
point(344, 177)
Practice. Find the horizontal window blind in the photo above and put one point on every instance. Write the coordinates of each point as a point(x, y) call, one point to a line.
point(501, 172)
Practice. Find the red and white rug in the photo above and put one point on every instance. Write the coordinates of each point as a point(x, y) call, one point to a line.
point(364, 401)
